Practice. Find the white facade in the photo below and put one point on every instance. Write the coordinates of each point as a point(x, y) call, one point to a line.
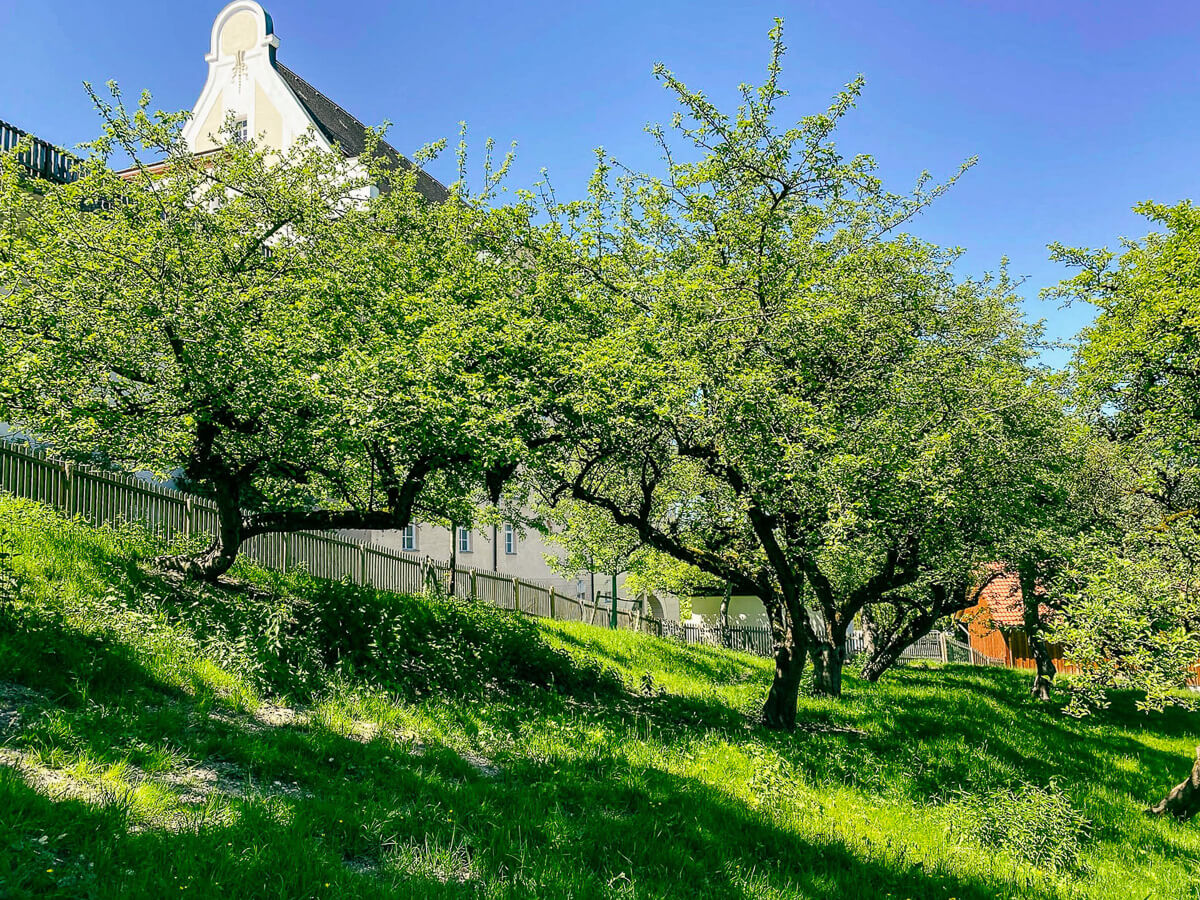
point(243, 82)
point(488, 550)
point(743, 610)
point(272, 104)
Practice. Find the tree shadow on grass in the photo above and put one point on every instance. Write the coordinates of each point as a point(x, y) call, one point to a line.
point(379, 818)
point(568, 829)
point(955, 729)
point(958, 731)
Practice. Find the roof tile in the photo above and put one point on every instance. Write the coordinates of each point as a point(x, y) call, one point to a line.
point(1003, 603)
point(341, 128)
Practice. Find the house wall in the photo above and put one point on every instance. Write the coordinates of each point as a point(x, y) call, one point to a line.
point(663, 606)
point(528, 562)
point(242, 81)
point(743, 610)
point(988, 640)
point(1021, 656)
point(1012, 646)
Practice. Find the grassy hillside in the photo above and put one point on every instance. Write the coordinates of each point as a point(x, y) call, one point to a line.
point(291, 738)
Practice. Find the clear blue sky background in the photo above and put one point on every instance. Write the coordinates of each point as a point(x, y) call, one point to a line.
point(1077, 110)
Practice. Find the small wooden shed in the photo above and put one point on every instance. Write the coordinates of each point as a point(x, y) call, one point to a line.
point(996, 624)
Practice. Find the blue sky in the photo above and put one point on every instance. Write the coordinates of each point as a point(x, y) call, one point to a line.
point(1077, 110)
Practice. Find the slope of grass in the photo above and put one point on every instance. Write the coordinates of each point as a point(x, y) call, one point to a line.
point(287, 737)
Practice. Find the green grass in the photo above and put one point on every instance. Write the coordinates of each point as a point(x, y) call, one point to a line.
point(293, 738)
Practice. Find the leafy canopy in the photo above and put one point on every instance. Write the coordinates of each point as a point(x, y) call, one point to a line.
point(771, 382)
point(306, 349)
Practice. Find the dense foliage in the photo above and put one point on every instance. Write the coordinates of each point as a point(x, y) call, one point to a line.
point(1134, 618)
point(775, 385)
point(302, 348)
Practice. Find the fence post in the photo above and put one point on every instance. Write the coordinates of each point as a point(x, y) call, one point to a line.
point(516, 595)
point(189, 518)
point(552, 613)
point(474, 585)
point(362, 563)
point(942, 641)
point(69, 489)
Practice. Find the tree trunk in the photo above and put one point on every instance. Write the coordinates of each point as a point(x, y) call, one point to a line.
point(827, 660)
point(911, 624)
point(779, 712)
point(880, 661)
point(1043, 680)
point(888, 652)
point(870, 632)
point(1184, 800)
point(726, 637)
point(223, 551)
point(451, 586)
point(828, 655)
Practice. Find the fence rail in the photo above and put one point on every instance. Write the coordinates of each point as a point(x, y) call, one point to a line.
point(101, 497)
point(41, 159)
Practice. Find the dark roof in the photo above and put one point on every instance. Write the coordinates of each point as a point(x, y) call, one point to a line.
point(341, 128)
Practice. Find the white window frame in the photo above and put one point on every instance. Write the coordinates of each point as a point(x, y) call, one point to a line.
point(241, 132)
point(510, 539)
point(464, 539)
point(408, 539)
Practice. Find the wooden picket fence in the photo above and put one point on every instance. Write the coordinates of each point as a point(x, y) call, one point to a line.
point(943, 646)
point(754, 639)
point(102, 497)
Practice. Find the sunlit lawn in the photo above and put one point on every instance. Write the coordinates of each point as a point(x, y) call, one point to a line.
point(286, 739)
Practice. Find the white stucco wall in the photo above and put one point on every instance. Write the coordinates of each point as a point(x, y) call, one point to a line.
point(243, 81)
point(743, 610)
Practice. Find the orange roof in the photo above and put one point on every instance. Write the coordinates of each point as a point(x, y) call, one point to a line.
point(1002, 601)
point(1002, 597)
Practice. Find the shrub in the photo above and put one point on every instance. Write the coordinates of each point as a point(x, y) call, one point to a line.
point(1035, 824)
point(289, 637)
point(286, 633)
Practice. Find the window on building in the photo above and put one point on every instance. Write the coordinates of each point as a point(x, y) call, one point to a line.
point(510, 540)
point(241, 130)
point(464, 540)
point(408, 539)
point(580, 591)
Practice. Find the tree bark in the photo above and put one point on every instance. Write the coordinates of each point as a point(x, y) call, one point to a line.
point(888, 652)
point(879, 662)
point(914, 622)
point(223, 551)
point(870, 631)
point(726, 637)
point(827, 670)
point(1183, 801)
point(779, 712)
point(828, 656)
point(1043, 680)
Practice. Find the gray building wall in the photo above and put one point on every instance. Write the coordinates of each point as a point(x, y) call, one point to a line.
point(488, 553)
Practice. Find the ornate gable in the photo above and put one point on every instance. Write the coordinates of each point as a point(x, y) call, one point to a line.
point(243, 82)
point(275, 104)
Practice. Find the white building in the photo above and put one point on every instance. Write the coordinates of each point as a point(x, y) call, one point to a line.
point(267, 100)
